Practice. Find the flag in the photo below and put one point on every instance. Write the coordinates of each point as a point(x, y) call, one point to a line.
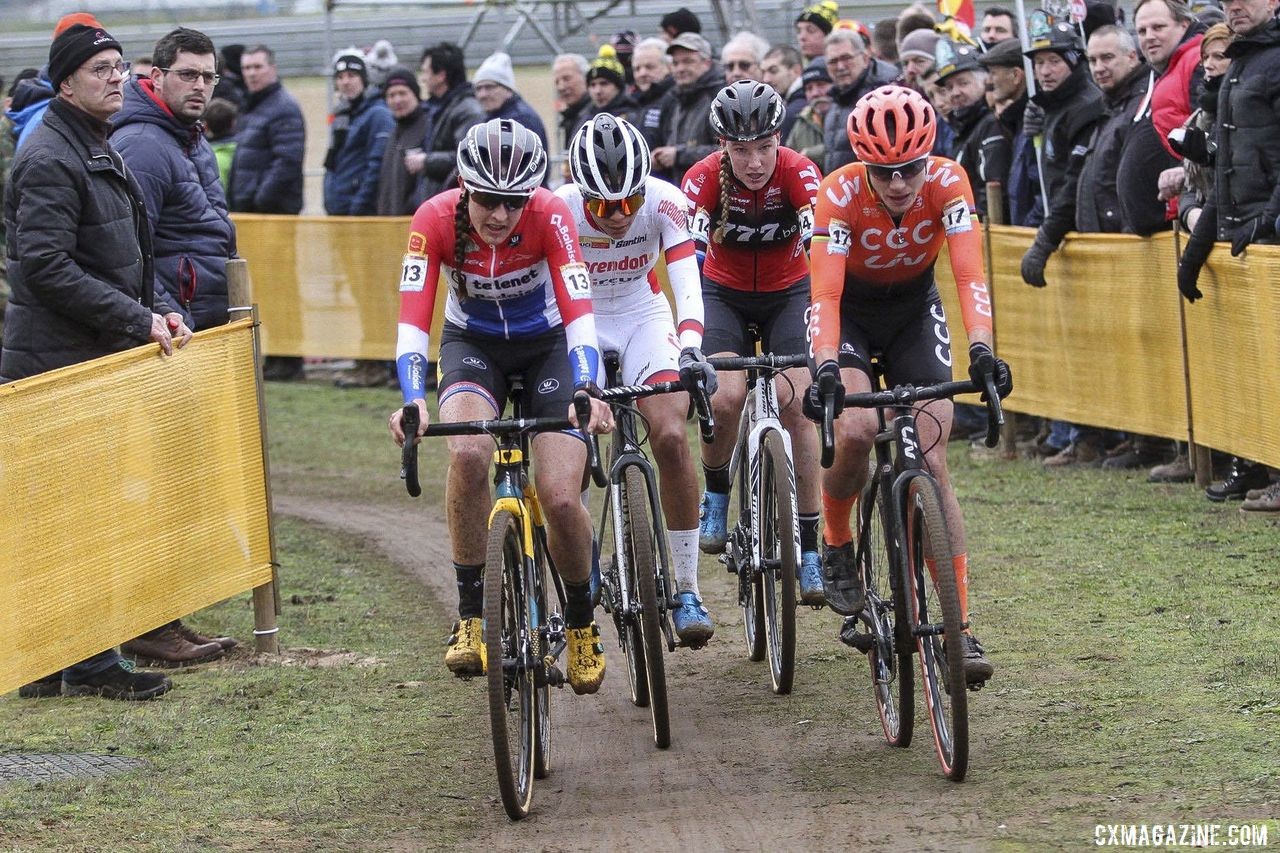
point(961, 10)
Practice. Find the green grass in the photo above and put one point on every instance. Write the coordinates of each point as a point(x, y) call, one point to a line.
point(1133, 626)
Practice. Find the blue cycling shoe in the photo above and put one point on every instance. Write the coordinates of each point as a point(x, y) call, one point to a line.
point(714, 523)
point(692, 622)
point(810, 575)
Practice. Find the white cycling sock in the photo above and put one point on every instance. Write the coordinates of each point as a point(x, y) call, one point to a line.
point(684, 559)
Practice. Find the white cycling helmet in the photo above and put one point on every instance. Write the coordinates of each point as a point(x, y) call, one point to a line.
point(501, 156)
point(609, 158)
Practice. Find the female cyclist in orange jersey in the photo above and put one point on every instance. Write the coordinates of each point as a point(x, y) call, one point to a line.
point(879, 226)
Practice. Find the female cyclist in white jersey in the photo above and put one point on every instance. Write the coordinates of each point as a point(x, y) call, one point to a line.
point(625, 219)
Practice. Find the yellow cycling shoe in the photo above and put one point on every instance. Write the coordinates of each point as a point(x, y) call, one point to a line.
point(466, 647)
point(586, 659)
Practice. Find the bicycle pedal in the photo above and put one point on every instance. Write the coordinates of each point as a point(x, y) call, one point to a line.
point(864, 643)
point(695, 646)
point(975, 686)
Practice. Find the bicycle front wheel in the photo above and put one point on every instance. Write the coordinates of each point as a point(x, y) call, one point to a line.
point(749, 594)
point(885, 619)
point(936, 625)
point(542, 687)
point(640, 536)
point(777, 586)
point(509, 663)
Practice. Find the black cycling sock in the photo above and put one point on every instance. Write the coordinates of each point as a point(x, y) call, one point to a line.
point(808, 531)
point(717, 478)
point(470, 590)
point(578, 612)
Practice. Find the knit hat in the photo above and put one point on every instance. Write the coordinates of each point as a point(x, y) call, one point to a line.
point(496, 68)
point(351, 60)
point(691, 41)
point(607, 66)
point(922, 43)
point(401, 76)
point(68, 21)
point(624, 43)
point(822, 15)
point(815, 72)
point(75, 46)
point(682, 21)
point(1006, 53)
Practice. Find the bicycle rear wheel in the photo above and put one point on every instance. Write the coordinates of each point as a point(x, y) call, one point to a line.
point(542, 692)
point(935, 621)
point(777, 582)
point(885, 620)
point(639, 534)
point(512, 711)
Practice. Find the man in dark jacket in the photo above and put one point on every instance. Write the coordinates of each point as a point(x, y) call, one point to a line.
point(160, 137)
point(569, 77)
point(359, 131)
point(444, 75)
point(1007, 78)
point(980, 146)
point(80, 266)
point(687, 135)
point(395, 184)
point(854, 73)
point(1245, 206)
point(271, 138)
point(607, 85)
point(782, 69)
point(651, 68)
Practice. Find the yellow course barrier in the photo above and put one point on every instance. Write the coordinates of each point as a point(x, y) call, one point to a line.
point(136, 493)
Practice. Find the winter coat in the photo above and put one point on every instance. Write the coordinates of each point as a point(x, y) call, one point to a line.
point(1098, 207)
point(619, 106)
point(1198, 184)
point(1247, 166)
point(30, 100)
point(807, 136)
point(1177, 87)
point(396, 187)
point(571, 118)
point(80, 262)
point(359, 134)
point(191, 231)
point(1022, 190)
point(458, 112)
point(518, 109)
point(982, 148)
point(794, 101)
point(647, 107)
point(1071, 112)
point(687, 121)
point(839, 151)
point(271, 138)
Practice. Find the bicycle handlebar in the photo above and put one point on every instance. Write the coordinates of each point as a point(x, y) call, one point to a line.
point(768, 361)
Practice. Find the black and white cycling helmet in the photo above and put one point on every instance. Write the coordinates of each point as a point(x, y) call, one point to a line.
point(609, 158)
point(746, 110)
point(501, 156)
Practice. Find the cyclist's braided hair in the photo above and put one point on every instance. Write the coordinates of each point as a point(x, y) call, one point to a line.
point(461, 228)
point(726, 189)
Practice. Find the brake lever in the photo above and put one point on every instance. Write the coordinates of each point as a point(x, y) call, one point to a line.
point(582, 406)
point(411, 419)
point(995, 412)
point(706, 419)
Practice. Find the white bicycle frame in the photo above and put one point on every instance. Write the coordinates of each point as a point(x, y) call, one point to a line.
point(760, 415)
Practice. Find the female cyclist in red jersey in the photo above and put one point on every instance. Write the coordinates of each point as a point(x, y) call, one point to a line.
point(519, 301)
point(752, 207)
point(879, 227)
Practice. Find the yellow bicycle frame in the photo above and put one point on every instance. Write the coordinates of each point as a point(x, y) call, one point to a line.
point(526, 508)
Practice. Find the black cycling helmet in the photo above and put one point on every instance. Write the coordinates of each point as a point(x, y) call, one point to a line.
point(747, 110)
point(501, 156)
point(609, 158)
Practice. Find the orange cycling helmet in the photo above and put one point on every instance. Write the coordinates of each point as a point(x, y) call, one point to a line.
point(892, 125)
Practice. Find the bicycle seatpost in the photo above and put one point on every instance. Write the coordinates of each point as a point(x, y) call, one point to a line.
point(410, 421)
point(582, 406)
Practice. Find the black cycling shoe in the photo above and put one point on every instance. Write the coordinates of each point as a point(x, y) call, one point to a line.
point(841, 580)
point(977, 669)
point(1245, 475)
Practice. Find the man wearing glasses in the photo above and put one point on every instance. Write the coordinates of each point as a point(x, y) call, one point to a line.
point(853, 74)
point(80, 268)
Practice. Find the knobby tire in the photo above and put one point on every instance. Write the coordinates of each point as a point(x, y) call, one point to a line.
point(777, 585)
point(639, 535)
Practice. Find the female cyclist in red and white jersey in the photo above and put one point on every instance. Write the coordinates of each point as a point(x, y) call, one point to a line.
point(752, 207)
point(879, 226)
point(626, 220)
point(519, 301)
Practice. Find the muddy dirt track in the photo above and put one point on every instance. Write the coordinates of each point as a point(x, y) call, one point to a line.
point(747, 770)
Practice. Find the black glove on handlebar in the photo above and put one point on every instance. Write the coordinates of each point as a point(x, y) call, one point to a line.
point(826, 383)
point(694, 367)
point(982, 364)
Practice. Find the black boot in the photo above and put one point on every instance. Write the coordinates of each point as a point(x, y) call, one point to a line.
point(1245, 475)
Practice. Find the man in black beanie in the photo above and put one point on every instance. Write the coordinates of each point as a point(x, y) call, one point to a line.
point(80, 266)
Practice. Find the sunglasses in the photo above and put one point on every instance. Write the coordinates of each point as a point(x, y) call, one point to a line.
point(744, 64)
point(491, 201)
point(906, 171)
point(602, 208)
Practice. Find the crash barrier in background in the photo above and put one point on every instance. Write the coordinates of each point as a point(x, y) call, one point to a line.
point(1109, 342)
point(135, 493)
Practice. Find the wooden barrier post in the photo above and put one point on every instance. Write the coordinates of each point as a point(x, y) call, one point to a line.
point(266, 598)
point(995, 213)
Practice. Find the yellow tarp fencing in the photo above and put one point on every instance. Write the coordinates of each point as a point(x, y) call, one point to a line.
point(1103, 344)
point(134, 492)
